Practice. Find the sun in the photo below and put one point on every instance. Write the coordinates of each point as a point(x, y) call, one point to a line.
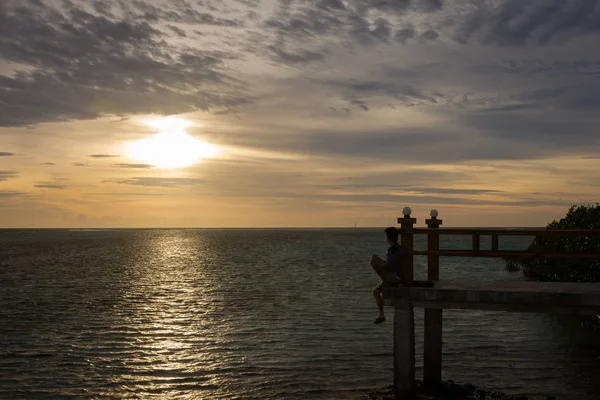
point(172, 147)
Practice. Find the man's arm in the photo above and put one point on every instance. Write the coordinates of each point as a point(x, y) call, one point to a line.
point(376, 260)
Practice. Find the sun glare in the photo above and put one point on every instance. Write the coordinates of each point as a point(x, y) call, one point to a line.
point(172, 147)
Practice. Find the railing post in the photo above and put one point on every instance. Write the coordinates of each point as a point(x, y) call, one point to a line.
point(433, 317)
point(406, 240)
point(404, 322)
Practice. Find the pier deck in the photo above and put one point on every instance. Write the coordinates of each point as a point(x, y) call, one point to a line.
point(515, 296)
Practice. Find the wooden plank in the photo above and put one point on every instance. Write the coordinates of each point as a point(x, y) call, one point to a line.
point(551, 297)
point(406, 240)
point(494, 243)
point(526, 308)
point(404, 351)
point(509, 254)
point(518, 285)
point(511, 231)
point(433, 260)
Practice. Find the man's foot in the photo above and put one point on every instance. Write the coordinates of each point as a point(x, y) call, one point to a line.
point(379, 320)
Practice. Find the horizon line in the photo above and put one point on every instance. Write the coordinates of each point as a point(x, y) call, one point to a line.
point(262, 228)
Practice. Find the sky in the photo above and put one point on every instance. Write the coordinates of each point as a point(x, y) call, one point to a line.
point(309, 113)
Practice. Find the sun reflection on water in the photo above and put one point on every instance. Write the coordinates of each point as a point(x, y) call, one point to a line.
point(178, 349)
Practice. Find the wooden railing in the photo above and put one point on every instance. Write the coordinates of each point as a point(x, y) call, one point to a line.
point(544, 249)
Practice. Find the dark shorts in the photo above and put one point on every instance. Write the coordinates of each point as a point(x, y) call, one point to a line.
point(390, 275)
point(390, 279)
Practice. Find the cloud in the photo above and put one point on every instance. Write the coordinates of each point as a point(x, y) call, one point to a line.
point(440, 200)
point(162, 182)
point(409, 188)
point(301, 56)
point(404, 34)
point(104, 155)
point(6, 175)
point(430, 35)
point(178, 31)
point(454, 191)
point(78, 164)
point(517, 23)
point(50, 186)
point(128, 165)
point(48, 163)
point(365, 23)
point(399, 91)
point(181, 12)
point(7, 194)
point(81, 64)
point(117, 194)
point(402, 6)
point(360, 103)
point(6, 154)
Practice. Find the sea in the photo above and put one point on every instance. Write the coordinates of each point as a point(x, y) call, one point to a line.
point(251, 314)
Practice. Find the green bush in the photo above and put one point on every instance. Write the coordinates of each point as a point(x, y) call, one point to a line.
point(578, 217)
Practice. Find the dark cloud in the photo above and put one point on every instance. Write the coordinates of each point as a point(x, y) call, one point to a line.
point(515, 22)
point(441, 200)
point(318, 19)
point(78, 164)
point(178, 31)
point(297, 57)
point(430, 35)
point(104, 155)
point(430, 5)
point(394, 88)
point(48, 163)
point(365, 32)
point(6, 154)
point(7, 194)
point(331, 4)
point(401, 187)
point(181, 12)
point(162, 182)
point(453, 191)
point(127, 194)
point(405, 34)
point(533, 131)
point(402, 6)
point(50, 186)
point(139, 166)
point(481, 136)
point(249, 3)
point(83, 65)
point(360, 104)
point(6, 175)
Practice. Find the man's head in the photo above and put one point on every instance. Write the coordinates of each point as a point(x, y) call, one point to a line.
point(391, 235)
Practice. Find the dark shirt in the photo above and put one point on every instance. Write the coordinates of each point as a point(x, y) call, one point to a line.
point(394, 259)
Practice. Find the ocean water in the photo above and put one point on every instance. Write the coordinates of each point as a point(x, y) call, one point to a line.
point(248, 314)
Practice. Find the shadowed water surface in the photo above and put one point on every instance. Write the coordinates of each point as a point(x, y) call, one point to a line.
point(264, 314)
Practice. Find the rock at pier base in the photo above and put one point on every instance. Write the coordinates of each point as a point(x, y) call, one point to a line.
point(447, 391)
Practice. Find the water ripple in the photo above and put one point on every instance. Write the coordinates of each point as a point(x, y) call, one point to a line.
point(218, 314)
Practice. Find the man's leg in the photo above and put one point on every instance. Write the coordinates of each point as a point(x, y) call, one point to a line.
point(377, 265)
point(379, 302)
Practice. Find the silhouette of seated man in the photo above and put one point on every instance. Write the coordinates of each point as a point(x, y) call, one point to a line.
point(389, 270)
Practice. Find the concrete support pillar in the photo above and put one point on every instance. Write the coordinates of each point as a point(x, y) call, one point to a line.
point(404, 351)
